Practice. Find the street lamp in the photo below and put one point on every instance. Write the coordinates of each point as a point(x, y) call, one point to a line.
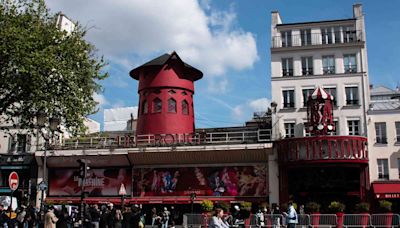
point(41, 121)
point(193, 196)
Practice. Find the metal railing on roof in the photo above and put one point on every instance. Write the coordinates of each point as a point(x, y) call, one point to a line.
point(158, 140)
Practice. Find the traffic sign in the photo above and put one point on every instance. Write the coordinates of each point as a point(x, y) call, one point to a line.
point(13, 181)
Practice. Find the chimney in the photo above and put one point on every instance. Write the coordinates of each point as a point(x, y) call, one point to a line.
point(371, 86)
point(357, 10)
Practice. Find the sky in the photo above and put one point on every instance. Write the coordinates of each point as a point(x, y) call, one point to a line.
point(228, 40)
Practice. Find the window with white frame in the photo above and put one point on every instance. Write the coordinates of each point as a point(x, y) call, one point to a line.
point(289, 130)
point(328, 64)
point(380, 130)
point(19, 143)
point(349, 34)
point(337, 33)
point(305, 37)
point(326, 35)
point(332, 92)
point(383, 169)
point(286, 37)
point(287, 67)
point(307, 133)
point(397, 132)
point(306, 94)
point(307, 65)
point(353, 127)
point(350, 65)
point(352, 97)
point(288, 98)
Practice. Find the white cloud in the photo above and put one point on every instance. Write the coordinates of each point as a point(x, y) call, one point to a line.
point(144, 29)
point(100, 99)
point(218, 85)
point(260, 105)
point(238, 112)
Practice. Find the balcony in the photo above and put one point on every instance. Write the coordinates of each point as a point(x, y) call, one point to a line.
point(323, 149)
point(350, 69)
point(351, 102)
point(317, 39)
point(159, 140)
point(381, 140)
point(328, 70)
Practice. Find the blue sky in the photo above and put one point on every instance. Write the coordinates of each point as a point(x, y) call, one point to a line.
point(228, 40)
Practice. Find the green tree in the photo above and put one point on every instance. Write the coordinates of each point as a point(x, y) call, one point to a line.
point(44, 69)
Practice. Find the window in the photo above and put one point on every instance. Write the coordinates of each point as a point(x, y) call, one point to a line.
point(286, 38)
point(397, 132)
point(18, 143)
point(336, 131)
point(171, 105)
point(352, 95)
point(350, 65)
point(289, 130)
point(326, 35)
point(305, 37)
point(349, 35)
point(332, 92)
point(157, 105)
point(354, 127)
point(171, 92)
point(307, 65)
point(328, 64)
point(288, 98)
point(383, 169)
point(145, 109)
point(398, 166)
point(380, 129)
point(306, 94)
point(185, 107)
point(287, 67)
point(337, 34)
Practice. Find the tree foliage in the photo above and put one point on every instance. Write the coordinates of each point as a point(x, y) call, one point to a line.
point(44, 69)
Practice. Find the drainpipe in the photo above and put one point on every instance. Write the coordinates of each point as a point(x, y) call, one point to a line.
point(363, 93)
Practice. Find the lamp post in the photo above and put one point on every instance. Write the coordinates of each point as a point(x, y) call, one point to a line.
point(193, 196)
point(83, 173)
point(53, 123)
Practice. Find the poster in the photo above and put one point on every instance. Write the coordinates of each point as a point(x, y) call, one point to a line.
point(204, 181)
point(100, 182)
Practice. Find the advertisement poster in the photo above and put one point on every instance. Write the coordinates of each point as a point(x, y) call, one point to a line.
point(204, 181)
point(100, 182)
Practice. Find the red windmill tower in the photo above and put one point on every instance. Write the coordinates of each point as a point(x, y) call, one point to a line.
point(166, 88)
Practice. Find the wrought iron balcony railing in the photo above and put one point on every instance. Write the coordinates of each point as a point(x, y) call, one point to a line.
point(314, 39)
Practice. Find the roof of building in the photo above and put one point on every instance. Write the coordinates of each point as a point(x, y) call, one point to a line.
point(385, 105)
point(160, 61)
point(316, 22)
point(383, 90)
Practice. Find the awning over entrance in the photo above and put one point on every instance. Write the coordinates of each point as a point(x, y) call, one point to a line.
point(386, 190)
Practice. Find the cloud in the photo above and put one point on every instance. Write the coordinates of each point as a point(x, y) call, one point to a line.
point(139, 29)
point(100, 99)
point(218, 85)
point(118, 104)
point(259, 105)
point(238, 112)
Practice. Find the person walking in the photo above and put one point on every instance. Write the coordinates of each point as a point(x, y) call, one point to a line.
point(95, 215)
point(118, 219)
point(63, 219)
point(291, 216)
point(217, 220)
point(165, 218)
point(135, 218)
point(50, 218)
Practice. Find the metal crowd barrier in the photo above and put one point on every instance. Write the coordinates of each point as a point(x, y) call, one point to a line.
point(194, 220)
point(267, 221)
point(323, 220)
point(385, 220)
point(357, 220)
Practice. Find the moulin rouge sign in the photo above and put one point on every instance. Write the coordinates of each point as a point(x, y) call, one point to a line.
point(160, 139)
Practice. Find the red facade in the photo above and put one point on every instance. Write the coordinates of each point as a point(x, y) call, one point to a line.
point(166, 91)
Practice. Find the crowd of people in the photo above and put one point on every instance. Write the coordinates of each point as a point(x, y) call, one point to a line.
point(105, 216)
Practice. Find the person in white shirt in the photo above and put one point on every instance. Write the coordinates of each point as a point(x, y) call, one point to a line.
point(291, 216)
point(217, 220)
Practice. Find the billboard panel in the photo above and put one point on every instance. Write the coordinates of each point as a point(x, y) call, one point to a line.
point(249, 181)
point(100, 182)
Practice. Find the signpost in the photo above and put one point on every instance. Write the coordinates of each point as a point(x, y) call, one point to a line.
point(13, 182)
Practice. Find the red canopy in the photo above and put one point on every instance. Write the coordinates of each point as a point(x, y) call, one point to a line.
point(389, 190)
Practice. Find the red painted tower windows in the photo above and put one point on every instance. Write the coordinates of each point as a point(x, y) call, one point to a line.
point(171, 105)
point(185, 107)
point(144, 107)
point(157, 105)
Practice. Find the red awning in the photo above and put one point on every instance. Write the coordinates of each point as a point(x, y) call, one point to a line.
point(390, 190)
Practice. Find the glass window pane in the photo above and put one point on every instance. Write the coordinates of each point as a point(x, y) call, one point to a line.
point(185, 108)
point(171, 105)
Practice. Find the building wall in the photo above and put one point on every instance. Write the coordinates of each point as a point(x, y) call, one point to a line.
point(389, 151)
